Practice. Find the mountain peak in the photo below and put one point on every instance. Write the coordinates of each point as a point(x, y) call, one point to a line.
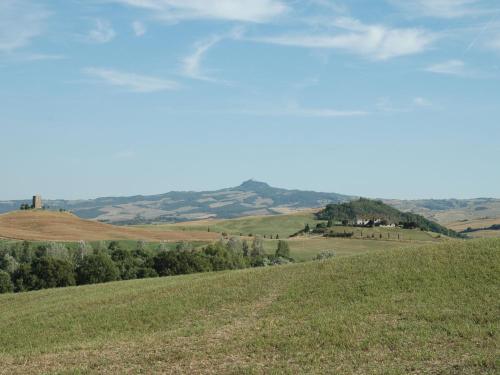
point(253, 185)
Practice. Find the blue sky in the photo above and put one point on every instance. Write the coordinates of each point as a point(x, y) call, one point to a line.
point(380, 98)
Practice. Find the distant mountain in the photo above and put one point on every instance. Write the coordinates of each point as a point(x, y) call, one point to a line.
point(250, 198)
point(446, 211)
point(367, 209)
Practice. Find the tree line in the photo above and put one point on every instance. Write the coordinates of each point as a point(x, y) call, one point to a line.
point(26, 267)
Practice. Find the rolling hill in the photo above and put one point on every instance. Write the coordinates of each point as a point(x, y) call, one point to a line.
point(249, 198)
point(57, 226)
point(447, 211)
point(431, 310)
point(367, 209)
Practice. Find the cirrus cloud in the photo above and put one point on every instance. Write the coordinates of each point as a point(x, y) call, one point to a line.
point(131, 81)
point(232, 10)
point(20, 22)
point(376, 42)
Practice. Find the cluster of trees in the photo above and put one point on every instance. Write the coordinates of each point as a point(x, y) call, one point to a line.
point(24, 267)
point(366, 208)
point(26, 206)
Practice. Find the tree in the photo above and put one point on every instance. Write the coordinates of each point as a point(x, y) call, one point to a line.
point(234, 245)
point(52, 273)
point(257, 247)
point(97, 268)
point(283, 249)
point(245, 248)
point(330, 223)
point(23, 279)
point(8, 263)
point(169, 263)
point(126, 263)
point(307, 229)
point(6, 285)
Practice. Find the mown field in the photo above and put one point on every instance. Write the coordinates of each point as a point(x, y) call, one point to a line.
point(307, 248)
point(477, 224)
point(281, 225)
point(432, 309)
point(303, 248)
point(57, 226)
point(41, 227)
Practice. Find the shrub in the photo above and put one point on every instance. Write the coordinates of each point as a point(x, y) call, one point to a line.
point(52, 273)
point(6, 285)
point(327, 254)
point(169, 263)
point(283, 249)
point(97, 268)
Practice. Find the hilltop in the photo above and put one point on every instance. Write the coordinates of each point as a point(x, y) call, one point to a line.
point(367, 209)
point(427, 310)
point(62, 226)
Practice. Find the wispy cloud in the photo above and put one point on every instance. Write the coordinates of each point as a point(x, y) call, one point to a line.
point(191, 64)
point(102, 32)
point(20, 22)
point(139, 28)
point(325, 112)
point(441, 8)
point(450, 67)
point(376, 42)
point(233, 10)
point(295, 110)
point(43, 57)
point(130, 81)
point(421, 102)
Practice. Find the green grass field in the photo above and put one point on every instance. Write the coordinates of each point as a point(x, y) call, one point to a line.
point(306, 248)
point(283, 225)
point(432, 309)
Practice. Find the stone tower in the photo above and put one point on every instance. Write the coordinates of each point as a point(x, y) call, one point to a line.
point(37, 202)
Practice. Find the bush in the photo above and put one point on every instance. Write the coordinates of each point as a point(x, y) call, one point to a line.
point(278, 261)
point(169, 263)
point(327, 254)
point(52, 273)
point(23, 279)
point(97, 268)
point(283, 249)
point(6, 285)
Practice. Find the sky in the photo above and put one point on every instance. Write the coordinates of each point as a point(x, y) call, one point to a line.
point(376, 98)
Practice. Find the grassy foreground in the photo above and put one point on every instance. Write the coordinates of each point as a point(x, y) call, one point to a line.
point(432, 309)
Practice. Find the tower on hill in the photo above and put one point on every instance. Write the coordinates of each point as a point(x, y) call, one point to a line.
point(37, 202)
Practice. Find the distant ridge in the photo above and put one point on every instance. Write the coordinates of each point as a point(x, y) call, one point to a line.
point(251, 197)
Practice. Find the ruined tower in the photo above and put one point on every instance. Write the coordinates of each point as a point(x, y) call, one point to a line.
point(37, 202)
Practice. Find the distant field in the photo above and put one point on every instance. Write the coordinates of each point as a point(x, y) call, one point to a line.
point(282, 225)
point(304, 249)
point(428, 310)
point(477, 224)
point(56, 226)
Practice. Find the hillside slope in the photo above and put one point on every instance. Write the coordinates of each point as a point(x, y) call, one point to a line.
point(56, 226)
point(368, 209)
point(446, 211)
point(428, 310)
